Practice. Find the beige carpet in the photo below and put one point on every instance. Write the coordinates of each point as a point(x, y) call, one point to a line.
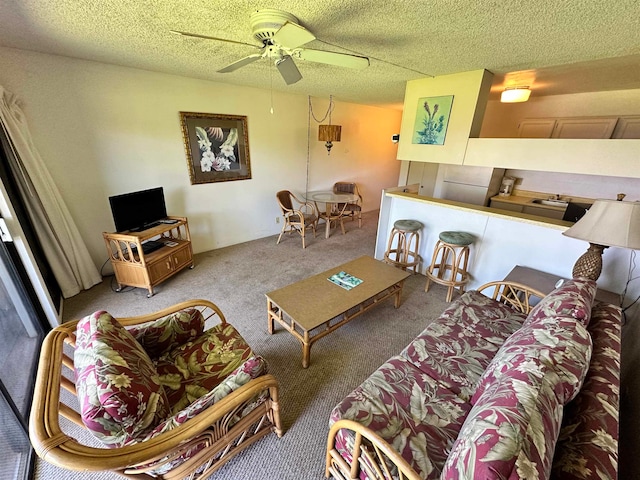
point(236, 278)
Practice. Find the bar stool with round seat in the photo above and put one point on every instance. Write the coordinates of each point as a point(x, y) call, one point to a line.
point(450, 261)
point(405, 235)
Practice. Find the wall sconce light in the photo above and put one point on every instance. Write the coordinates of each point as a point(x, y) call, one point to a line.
point(515, 95)
point(329, 134)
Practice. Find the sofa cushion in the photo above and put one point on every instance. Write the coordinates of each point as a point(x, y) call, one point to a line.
point(166, 333)
point(254, 367)
point(588, 442)
point(457, 348)
point(510, 432)
point(515, 422)
point(118, 388)
point(195, 368)
point(559, 344)
point(408, 409)
point(488, 318)
point(573, 299)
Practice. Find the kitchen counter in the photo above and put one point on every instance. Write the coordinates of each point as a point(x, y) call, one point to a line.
point(525, 202)
point(488, 211)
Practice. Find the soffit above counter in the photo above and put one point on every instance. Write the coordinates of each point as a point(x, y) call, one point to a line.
point(616, 158)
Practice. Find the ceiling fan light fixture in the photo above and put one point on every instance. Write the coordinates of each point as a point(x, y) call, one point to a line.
point(329, 134)
point(515, 95)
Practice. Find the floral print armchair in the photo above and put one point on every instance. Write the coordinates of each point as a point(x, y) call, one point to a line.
point(164, 397)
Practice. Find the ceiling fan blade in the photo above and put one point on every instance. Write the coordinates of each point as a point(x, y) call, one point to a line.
point(240, 63)
point(333, 58)
point(288, 70)
point(206, 37)
point(292, 35)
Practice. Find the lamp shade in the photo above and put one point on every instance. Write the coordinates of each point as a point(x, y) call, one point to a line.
point(515, 95)
point(611, 223)
point(329, 133)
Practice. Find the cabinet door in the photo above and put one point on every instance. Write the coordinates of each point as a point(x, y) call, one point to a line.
point(181, 257)
point(536, 127)
point(627, 127)
point(543, 212)
point(160, 269)
point(588, 127)
point(512, 207)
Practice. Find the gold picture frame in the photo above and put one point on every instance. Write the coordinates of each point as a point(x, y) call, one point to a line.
point(217, 147)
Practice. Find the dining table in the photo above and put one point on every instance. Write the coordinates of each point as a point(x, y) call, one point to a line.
point(331, 200)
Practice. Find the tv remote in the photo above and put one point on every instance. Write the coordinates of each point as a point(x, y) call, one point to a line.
point(170, 222)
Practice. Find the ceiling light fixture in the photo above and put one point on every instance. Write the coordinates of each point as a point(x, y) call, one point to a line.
point(515, 95)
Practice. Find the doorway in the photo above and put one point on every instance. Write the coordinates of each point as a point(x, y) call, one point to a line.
point(21, 335)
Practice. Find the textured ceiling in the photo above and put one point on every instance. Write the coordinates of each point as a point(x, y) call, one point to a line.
point(556, 47)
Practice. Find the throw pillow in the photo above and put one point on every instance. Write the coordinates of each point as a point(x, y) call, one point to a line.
point(511, 432)
point(118, 388)
point(573, 299)
point(559, 345)
point(166, 333)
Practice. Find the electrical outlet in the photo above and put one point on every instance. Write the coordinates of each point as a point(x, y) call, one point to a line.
point(277, 219)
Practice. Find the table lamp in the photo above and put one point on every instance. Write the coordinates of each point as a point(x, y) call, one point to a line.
point(608, 223)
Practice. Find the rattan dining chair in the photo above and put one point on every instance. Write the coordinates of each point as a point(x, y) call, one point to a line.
point(297, 215)
point(353, 210)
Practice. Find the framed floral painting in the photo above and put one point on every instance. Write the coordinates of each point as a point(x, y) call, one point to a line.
point(432, 120)
point(217, 147)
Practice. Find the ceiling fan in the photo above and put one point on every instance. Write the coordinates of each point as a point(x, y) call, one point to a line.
point(282, 38)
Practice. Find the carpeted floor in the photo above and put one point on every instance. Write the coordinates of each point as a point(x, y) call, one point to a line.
point(236, 279)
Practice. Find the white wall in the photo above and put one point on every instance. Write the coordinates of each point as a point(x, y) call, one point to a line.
point(105, 130)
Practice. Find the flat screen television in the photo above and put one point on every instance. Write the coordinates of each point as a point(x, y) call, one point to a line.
point(138, 210)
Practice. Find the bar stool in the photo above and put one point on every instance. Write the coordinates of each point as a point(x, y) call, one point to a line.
point(406, 236)
point(450, 260)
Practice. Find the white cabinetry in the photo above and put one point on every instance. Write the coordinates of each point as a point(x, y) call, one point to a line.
point(569, 127)
point(585, 127)
point(424, 174)
point(627, 127)
point(511, 207)
point(536, 127)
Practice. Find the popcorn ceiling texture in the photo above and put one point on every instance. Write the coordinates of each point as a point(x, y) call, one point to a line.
point(435, 38)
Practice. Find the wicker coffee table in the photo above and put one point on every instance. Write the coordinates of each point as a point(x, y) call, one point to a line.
point(314, 307)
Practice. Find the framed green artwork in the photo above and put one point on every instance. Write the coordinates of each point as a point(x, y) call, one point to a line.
point(432, 119)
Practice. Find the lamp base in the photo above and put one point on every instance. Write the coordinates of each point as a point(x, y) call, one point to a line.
point(589, 265)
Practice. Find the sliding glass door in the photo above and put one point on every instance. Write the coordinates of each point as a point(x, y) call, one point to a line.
point(21, 335)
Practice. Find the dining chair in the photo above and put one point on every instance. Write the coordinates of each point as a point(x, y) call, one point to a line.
point(353, 210)
point(298, 215)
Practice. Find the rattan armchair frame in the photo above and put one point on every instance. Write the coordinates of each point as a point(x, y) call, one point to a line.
point(212, 425)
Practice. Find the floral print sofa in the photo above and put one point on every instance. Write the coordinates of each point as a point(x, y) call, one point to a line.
point(489, 392)
point(164, 397)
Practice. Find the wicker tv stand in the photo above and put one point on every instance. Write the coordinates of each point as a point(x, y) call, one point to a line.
point(135, 268)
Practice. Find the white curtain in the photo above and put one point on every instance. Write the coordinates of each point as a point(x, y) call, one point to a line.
point(64, 249)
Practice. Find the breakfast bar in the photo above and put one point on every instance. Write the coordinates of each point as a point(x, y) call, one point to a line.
point(503, 239)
